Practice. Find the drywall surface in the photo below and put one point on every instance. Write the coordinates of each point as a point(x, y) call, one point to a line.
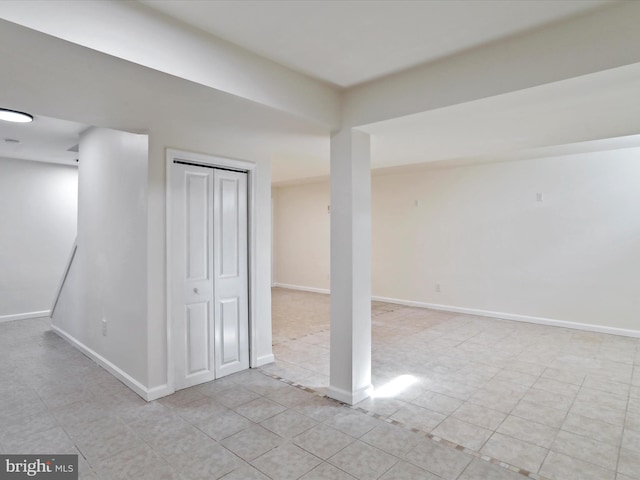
point(175, 114)
point(552, 238)
point(115, 27)
point(302, 235)
point(38, 212)
point(541, 56)
point(104, 302)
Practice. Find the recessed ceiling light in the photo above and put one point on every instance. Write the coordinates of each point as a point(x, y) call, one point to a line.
point(14, 116)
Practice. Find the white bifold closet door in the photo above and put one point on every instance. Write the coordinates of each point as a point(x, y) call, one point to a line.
point(210, 301)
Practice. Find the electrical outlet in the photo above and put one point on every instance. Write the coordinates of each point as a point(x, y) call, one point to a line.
point(104, 327)
point(438, 287)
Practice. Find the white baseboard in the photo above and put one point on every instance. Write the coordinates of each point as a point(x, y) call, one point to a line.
point(24, 316)
point(326, 291)
point(518, 318)
point(350, 398)
point(265, 359)
point(486, 313)
point(160, 391)
point(147, 394)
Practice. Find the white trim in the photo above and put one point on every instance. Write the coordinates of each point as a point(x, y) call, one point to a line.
point(209, 160)
point(223, 162)
point(24, 316)
point(325, 291)
point(168, 270)
point(264, 360)
point(252, 262)
point(147, 394)
point(486, 313)
point(160, 391)
point(516, 317)
point(350, 398)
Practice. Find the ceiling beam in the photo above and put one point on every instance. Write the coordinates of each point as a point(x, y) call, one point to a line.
point(593, 42)
point(133, 32)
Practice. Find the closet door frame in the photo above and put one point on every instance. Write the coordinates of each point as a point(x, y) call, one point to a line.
point(174, 156)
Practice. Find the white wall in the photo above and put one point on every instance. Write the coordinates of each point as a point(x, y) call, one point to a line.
point(480, 233)
point(108, 276)
point(175, 114)
point(302, 235)
point(38, 213)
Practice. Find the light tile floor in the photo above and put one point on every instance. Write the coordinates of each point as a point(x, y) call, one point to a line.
point(248, 426)
point(562, 403)
point(542, 398)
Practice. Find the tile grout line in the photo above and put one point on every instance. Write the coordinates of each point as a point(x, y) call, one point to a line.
point(563, 420)
point(510, 413)
point(626, 414)
point(468, 451)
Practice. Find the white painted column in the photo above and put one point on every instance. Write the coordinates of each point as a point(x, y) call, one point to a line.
point(350, 376)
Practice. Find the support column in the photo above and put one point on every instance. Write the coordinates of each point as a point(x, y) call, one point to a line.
point(350, 375)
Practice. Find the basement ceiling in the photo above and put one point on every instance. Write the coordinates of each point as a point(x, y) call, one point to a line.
point(349, 42)
point(589, 113)
point(589, 108)
point(44, 140)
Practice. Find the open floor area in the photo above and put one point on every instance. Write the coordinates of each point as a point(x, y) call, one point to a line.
point(457, 397)
point(561, 403)
point(248, 426)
